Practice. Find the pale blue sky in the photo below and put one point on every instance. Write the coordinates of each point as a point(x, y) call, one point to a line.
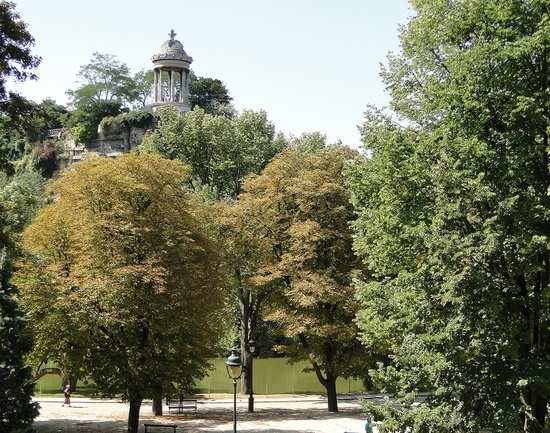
point(312, 65)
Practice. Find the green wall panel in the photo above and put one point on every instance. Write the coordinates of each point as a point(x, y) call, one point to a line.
point(271, 376)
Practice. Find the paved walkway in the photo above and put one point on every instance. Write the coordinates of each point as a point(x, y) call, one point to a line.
point(273, 415)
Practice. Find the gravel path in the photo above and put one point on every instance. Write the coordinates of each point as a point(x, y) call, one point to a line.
point(273, 415)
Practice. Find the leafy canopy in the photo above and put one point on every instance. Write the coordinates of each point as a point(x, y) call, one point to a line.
point(104, 79)
point(211, 95)
point(221, 151)
point(16, 59)
point(298, 208)
point(19, 194)
point(20, 197)
point(120, 260)
point(454, 220)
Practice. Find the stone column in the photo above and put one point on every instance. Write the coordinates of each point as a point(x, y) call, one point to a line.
point(155, 73)
point(171, 85)
point(159, 89)
point(185, 86)
point(182, 88)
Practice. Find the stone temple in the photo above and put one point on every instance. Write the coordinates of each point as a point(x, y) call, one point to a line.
point(171, 88)
point(171, 70)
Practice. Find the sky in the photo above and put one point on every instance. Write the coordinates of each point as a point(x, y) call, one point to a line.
point(311, 65)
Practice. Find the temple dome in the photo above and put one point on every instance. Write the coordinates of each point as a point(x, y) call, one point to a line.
point(172, 49)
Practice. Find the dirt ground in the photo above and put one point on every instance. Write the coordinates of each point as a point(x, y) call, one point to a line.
point(284, 414)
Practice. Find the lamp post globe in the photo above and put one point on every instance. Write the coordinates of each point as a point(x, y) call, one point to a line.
point(234, 371)
point(233, 366)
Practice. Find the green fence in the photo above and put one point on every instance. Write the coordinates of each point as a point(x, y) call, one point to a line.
point(275, 376)
point(51, 384)
point(271, 376)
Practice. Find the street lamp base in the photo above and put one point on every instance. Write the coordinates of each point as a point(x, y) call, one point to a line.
point(250, 403)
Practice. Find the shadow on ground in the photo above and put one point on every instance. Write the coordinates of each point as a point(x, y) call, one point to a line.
point(74, 426)
point(267, 414)
point(214, 419)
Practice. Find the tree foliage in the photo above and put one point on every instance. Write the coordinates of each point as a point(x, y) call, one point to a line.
point(143, 83)
point(104, 79)
point(211, 95)
point(120, 280)
point(299, 210)
point(243, 252)
point(85, 119)
point(13, 147)
point(454, 220)
point(16, 62)
point(47, 115)
point(221, 151)
point(16, 59)
point(20, 197)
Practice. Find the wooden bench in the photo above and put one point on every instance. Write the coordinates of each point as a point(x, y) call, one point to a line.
point(182, 405)
point(152, 426)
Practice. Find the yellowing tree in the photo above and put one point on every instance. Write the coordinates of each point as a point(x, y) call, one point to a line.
point(299, 210)
point(120, 279)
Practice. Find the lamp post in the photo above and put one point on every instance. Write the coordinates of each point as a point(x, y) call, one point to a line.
point(234, 370)
point(249, 377)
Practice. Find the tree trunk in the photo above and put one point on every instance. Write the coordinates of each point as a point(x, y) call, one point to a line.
point(539, 411)
point(157, 404)
point(329, 382)
point(246, 358)
point(330, 386)
point(245, 308)
point(133, 414)
point(73, 378)
point(539, 405)
point(69, 378)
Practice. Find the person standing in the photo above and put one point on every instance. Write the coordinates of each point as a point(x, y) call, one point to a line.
point(369, 426)
point(67, 395)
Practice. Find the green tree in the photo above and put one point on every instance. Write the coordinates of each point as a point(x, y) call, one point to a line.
point(299, 210)
point(454, 220)
point(47, 115)
point(13, 147)
point(17, 63)
point(211, 95)
point(19, 136)
point(24, 143)
point(85, 119)
point(17, 411)
point(120, 259)
point(16, 59)
point(20, 197)
point(143, 83)
point(309, 142)
point(243, 253)
point(221, 151)
point(104, 79)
